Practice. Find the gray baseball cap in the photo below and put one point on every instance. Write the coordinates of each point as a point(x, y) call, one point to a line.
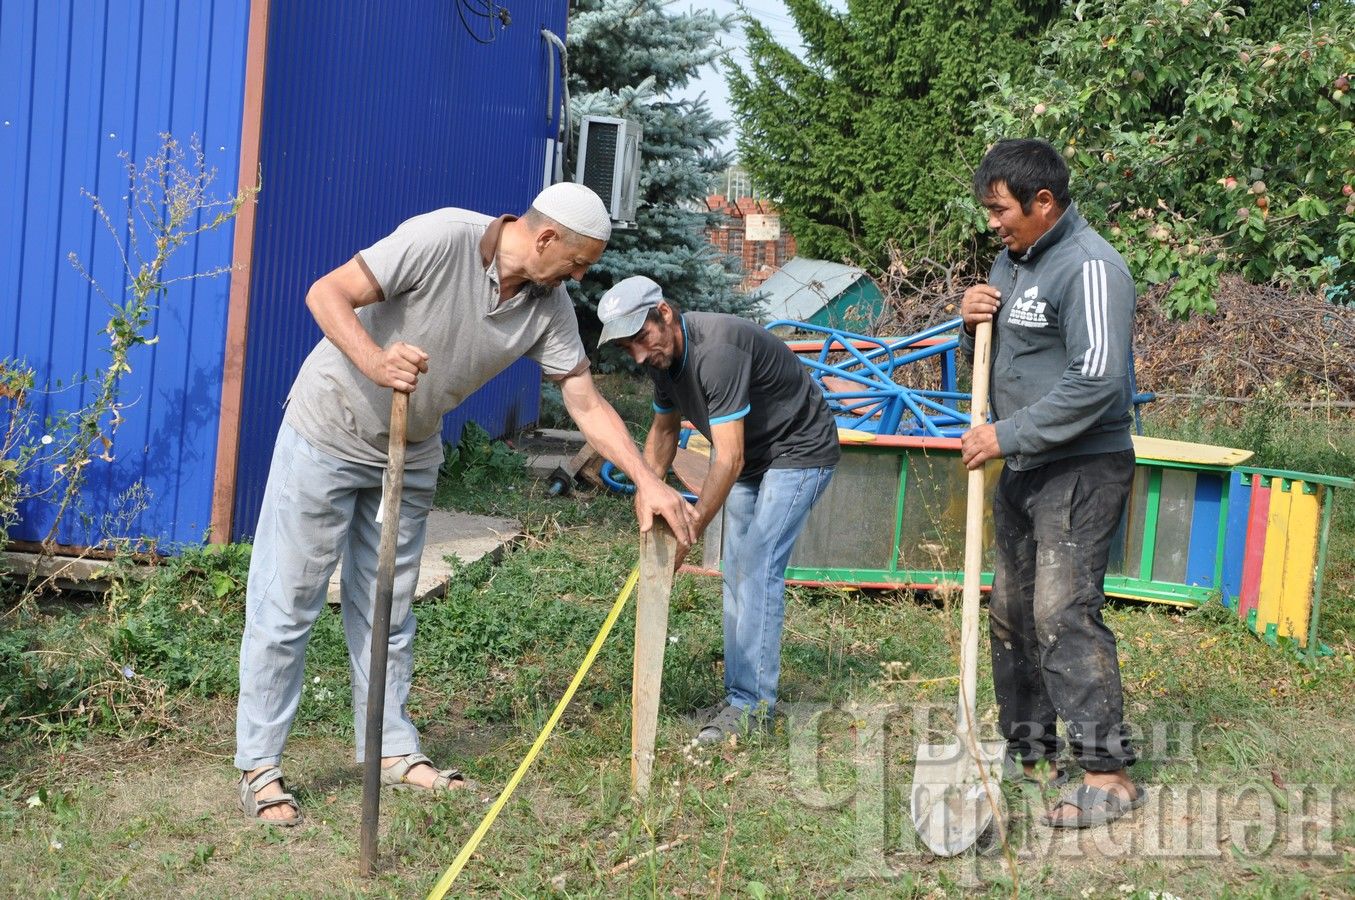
point(622, 309)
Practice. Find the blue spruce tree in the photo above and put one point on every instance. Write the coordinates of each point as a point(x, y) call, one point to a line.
point(627, 58)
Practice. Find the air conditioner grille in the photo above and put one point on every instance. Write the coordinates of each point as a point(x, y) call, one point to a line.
point(599, 166)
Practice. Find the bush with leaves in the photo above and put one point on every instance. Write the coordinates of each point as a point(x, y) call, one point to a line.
point(477, 460)
point(1199, 150)
point(164, 632)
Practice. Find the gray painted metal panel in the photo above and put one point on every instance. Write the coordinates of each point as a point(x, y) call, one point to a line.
point(803, 286)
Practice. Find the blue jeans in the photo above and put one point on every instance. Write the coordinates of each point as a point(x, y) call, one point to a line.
point(763, 517)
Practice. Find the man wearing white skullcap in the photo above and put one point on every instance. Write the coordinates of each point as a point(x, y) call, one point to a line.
point(435, 309)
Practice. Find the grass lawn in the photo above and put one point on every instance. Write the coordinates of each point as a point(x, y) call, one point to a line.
point(117, 786)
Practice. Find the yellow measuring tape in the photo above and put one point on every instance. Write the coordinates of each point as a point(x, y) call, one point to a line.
point(440, 889)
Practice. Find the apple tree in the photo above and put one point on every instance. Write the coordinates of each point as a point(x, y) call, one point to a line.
point(1196, 149)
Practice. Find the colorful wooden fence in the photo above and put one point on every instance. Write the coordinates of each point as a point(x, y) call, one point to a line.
point(1276, 552)
point(1198, 525)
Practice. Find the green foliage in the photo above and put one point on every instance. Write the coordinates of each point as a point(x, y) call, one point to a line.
point(1196, 148)
point(173, 628)
point(1264, 18)
point(478, 461)
point(181, 625)
point(870, 138)
point(625, 59)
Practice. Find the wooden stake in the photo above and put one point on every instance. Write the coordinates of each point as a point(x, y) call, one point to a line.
point(658, 554)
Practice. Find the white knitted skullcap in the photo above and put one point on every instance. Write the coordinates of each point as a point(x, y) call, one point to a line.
point(577, 208)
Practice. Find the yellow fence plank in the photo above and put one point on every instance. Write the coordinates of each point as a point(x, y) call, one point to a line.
point(1186, 452)
point(1305, 514)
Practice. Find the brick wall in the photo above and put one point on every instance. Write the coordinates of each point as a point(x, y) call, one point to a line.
point(759, 258)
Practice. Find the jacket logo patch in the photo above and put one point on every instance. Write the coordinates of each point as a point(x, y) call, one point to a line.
point(1029, 312)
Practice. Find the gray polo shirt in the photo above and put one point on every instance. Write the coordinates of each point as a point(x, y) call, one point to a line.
point(439, 277)
point(732, 368)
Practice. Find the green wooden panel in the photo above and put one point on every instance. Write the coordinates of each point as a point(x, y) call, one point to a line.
point(1157, 591)
point(1150, 523)
point(879, 576)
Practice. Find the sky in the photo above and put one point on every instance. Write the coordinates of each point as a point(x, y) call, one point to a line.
point(710, 81)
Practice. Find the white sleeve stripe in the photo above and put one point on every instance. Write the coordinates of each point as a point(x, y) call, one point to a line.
point(1104, 314)
point(1098, 322)
point(1087, 307)
point(1094, 308)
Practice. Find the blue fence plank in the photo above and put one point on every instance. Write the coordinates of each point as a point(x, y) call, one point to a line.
point(1204, 530)
point(1235, 543)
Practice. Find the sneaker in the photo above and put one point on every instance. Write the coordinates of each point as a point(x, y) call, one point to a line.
point(731, 720)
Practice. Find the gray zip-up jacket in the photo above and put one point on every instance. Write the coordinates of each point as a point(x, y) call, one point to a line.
point(1062, 341)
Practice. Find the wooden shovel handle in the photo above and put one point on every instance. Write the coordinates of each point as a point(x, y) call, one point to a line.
point(973, 535)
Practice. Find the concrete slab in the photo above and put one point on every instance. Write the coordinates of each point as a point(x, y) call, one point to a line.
point(461, 535)
point(548, 449)
point(563, 435)
point(67, 573)
point(543, 465)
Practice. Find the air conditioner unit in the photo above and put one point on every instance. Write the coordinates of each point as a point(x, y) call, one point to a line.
point(609, 163)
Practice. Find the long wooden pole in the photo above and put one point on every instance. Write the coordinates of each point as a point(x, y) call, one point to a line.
point(381, 628)
point(973, 544)
point(658, 553)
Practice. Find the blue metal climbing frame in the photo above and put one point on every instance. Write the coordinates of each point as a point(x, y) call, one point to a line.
point(868, 380)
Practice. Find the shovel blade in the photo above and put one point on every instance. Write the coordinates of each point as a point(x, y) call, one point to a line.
point(950, 805)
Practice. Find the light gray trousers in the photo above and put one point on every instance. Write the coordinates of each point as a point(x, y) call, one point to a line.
point(315, 507)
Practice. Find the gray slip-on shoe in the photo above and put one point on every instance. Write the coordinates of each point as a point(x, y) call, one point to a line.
point(731, 720)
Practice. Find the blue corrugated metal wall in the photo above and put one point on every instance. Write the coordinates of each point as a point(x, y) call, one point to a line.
point(81, 83)
point(374, 112)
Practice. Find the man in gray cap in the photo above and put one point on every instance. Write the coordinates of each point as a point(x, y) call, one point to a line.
point(435, 309)
point(775, 447)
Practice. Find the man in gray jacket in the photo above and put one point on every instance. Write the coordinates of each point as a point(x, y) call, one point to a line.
point(1062, 305)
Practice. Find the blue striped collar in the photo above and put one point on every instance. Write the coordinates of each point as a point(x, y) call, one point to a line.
point(675, 371)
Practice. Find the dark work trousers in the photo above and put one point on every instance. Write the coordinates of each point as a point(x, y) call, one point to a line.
point(1052, 653)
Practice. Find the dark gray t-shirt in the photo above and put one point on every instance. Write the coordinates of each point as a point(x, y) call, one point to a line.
point(732, 368)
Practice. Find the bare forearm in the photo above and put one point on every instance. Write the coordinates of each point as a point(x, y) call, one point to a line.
point(719, 481)
point(660, 448)
point(334, 313)
point(726, 465)
point(603, 428)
